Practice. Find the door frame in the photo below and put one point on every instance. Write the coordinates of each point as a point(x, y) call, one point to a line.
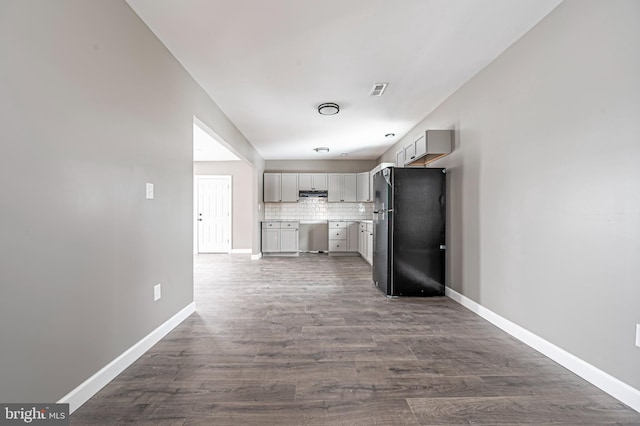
point(196, 188)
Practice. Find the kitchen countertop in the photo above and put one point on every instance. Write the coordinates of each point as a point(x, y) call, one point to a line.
point(312, 222)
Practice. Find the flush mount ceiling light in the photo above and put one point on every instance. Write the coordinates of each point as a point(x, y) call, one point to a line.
point(389, 135)
point(328, 108)
point(321, 149)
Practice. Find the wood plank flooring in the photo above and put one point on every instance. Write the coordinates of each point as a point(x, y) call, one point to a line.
point(310, 341)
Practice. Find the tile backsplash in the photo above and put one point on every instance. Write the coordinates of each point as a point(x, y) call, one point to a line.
point(317, 209)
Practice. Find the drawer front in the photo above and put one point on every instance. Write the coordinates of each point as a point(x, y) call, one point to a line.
point(271, 225)
point(289, 225)
point(334, 225)
point(370, 227)
point(337, 245)
point(337, 234)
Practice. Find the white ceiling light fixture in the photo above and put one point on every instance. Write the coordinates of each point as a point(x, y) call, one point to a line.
point(378, 89)
point(328, 108)
point(321, 149)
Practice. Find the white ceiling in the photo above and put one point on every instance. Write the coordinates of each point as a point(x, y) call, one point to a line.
point(268, 64)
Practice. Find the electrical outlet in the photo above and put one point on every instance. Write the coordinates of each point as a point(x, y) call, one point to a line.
point(149, 191)
point(157, 293)
point(638, 335)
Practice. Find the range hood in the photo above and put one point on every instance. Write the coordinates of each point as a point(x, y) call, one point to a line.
point(313, 194)
point(428, 147)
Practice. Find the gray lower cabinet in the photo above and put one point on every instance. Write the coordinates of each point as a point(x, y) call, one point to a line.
point(369, 256)
point(362, 239)
point(343, 237)
point(365, 241)
point(352, 237)
point(270, 240)
point(280, 237)
point(337, 236)
point(289, 239)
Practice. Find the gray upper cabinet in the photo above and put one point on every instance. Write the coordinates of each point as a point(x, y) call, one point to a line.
point(272, 187)
point(409, 153)
point(420, 146)
point(350, 187)
point(280, 187)
point(363, 189)
point(342, 187)
point(312, 181)
point(289, 188)
point(428, 147)
point(334, 193)
point(400, 158)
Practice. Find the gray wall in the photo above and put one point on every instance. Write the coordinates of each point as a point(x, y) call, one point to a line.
point(544, 199)
point(329, 166)
point(92, 106)
point(242, 201)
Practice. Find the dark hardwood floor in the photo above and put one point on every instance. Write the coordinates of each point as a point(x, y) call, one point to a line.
point(310, 341)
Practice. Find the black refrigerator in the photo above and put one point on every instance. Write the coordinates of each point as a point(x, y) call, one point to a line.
point(409, 231)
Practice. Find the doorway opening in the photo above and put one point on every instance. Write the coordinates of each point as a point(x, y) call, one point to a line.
point(223, 195)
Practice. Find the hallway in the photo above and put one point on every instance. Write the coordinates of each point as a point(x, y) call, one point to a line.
point(309, 340)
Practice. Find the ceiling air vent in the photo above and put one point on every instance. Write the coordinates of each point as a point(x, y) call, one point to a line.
point(378, 89)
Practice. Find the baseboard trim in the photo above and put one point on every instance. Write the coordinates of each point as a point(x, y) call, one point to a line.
point(256, 256)
point(614, 387)
point(93, 384)
point(241, 251)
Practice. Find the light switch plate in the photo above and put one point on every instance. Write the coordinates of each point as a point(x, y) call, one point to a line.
point(149, 191)
point(157, 293)
point(638, 335)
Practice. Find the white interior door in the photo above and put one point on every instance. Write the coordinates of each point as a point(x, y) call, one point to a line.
point(213, 214)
